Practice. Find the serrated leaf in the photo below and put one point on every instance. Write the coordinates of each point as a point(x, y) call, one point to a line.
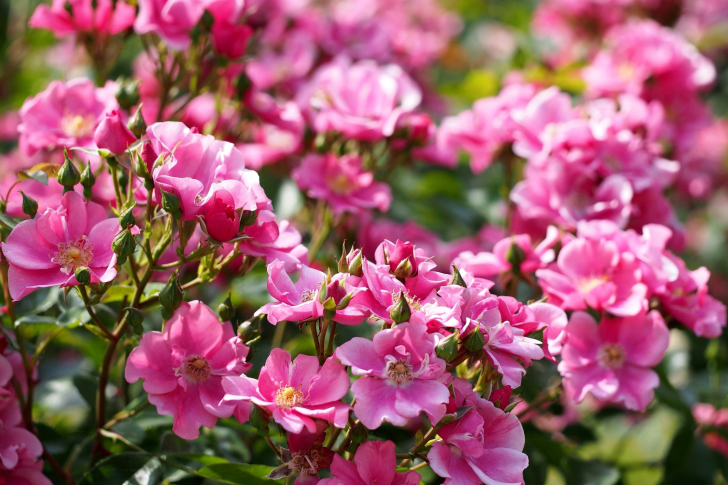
point(131, 468)
point(238, 473)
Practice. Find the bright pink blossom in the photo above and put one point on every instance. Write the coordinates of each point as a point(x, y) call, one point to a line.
point(66, 17)
point(183, 367)
point(612, 360)
point(64, 115)
point(222, 221)
point(712, 424)
point(375, 462)
point(361, 100)
point(485, 446)
point(217, 165)
point(596, 274)
point(172, 20)
point(400, 376)
point(47, 250)
point(295, 393)
point(112, 134)
point(271, 240)
point(342, 182)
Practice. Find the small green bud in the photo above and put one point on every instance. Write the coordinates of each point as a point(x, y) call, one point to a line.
point(126, 219)
point(355, 266)
point(134, 316)
point(171, 295)
point(141, 170)
point(249, 329)
point(124, 245)
point(88, 179)
point(172, 204)
point(247, 218)
point(137, 329)
point(475, 341)
point(207, 20)
point(447, 348)
point(128, 93)
point(136, 124)
point(30, 206)
point(404, 269)
point(83, 275)
point(401, 312)
point(457, 278)
point(68, 174)
point(323, 292)
point(329, 309)
point(344, 302)
point(225, 310)
point(342, 265)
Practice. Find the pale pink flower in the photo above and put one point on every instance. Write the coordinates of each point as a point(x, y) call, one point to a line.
point(375, 462)
point(294, 393)
point(342, 182)
point(65, 17)
point(361, 100)
point(47, 250)
point(291, 62)
point(218, 165)
point(485, 446)
point(400, 376)
point(610, 281)
point(64, 115)
point(172, 20)
point(612, 360)
point(183, 367)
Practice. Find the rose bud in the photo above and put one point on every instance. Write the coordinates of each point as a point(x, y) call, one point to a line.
point(402, 260)
point(112, 134)
point(221, 219)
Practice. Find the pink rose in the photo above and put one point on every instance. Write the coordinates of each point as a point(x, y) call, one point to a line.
point(112, 134)
point(221, 219)
point(66, 17)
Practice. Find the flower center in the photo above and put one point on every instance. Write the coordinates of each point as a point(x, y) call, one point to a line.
point(307, 295)
point(341, 184)
point(78, 126)
point(196, 368)
point(612, 356)
point(399, 371)
point(74, 254)
point(587, 284)
point(288, 397)
point(413, 302)
point(304, 463)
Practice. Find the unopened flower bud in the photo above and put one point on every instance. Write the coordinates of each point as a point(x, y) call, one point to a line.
point(126, 218)
point(112, 134)
point(515, 255)
point(403, 251)
point(355, 263)
point(329, 308)
point(344, 302)
point(134, 316)
point(225, 310)
point(148, 156)
point(401, 312)
point(171, 295)
point(247, 218)
point(123, 245)
point(136, 123)
point(447, 348)
point(88, 179)
point(403, 269)
point(475, 341)
point(249, 329)
point(323, 293)
point(128, 93)
point(172, 204)
point(68, 174)
point(30, 206)
point(221, 220)
point(83, 275)
point(457, 278)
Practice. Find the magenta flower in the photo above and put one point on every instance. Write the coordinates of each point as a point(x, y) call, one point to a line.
point(400, 376)
point(295, 393)
point(610, 282)
point(65, 17)
point(47, 250)
point(172, 20)
point(218, 165)
point(183, 367)
point(342, 182)
point(112, 134)
point(64, 115)
point(300, 301)
point(271, 240)
point(612, 360)
point(485, 446)
point(361, 100)
point(221, 219)
point(375, 462)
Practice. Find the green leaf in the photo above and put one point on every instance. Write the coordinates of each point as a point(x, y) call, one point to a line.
point(132, 468)
point(238, 473)
point(40, 172)
point(8, 221)
point(592, 472)
point(117, 293)
point(35, 319)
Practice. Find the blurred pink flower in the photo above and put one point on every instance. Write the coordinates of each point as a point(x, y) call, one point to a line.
point(183, 367)
point(172, 20)
point(66, 17)
point(612, 360)
point(342, 182)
